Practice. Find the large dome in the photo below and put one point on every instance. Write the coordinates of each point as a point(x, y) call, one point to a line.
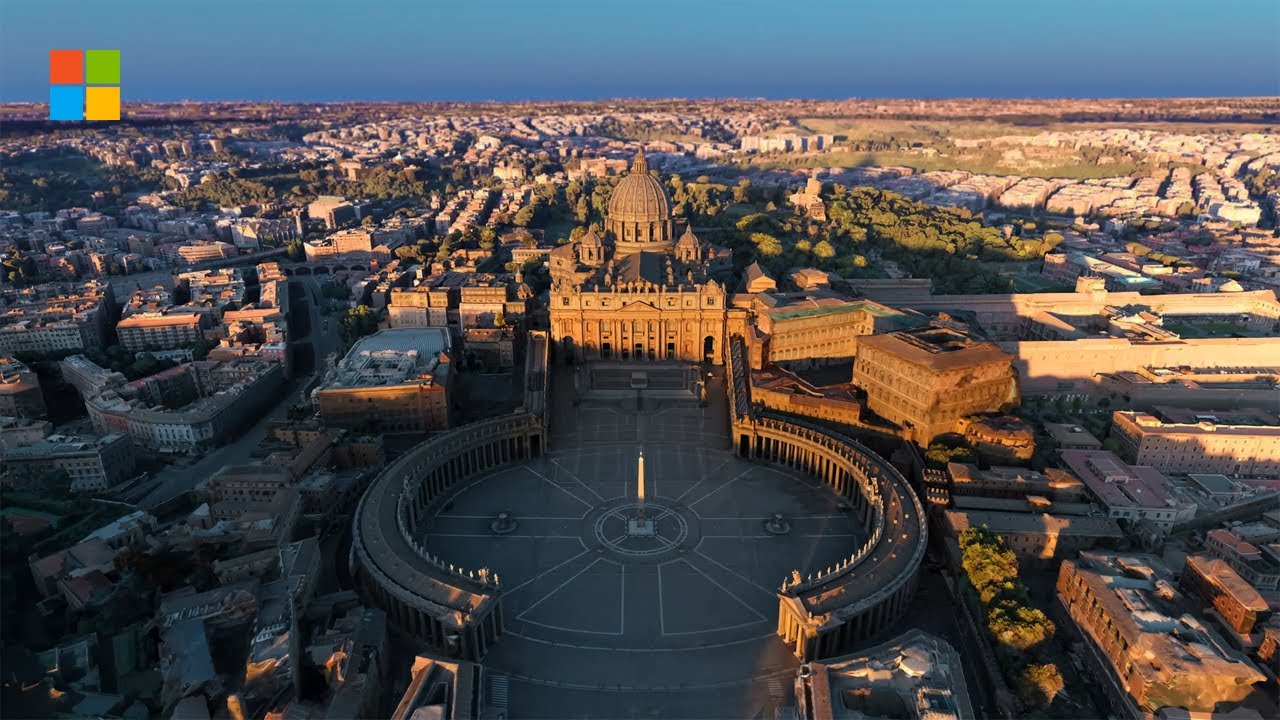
point(639, 196)
point(639, 215)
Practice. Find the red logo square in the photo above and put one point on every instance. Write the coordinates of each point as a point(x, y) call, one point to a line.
point(66, 67)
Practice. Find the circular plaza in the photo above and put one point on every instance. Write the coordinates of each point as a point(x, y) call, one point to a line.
point(528, 558)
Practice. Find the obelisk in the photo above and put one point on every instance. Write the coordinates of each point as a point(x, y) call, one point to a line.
point(638, 526)
point(640, 481)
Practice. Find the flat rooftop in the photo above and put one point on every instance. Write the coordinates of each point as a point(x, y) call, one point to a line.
point(392, 357)
point(914, 675)
point(1071, 433)
point(999, 521)
point(940, 348)
point(57, 445)
point(1243, 417)
point(1214, 483)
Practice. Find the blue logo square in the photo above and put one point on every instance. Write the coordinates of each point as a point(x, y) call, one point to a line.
point(66, 102)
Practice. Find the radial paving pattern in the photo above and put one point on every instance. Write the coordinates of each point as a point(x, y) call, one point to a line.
point(682, 622)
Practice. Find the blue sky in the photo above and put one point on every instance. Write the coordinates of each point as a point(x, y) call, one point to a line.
point(324, 50)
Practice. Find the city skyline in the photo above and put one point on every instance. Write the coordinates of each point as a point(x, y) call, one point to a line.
point(726, 359)
point(516, 52)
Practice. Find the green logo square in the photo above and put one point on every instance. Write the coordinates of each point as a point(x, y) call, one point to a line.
point(102, 67)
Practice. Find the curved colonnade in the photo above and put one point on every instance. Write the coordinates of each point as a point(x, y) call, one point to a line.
point(457, 612)
point(830, 612)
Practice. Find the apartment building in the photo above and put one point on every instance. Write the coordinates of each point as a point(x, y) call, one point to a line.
point(1230, 442)
point(20, 394)
point(1135, 494)
point(161, 331)
point(93, 464)
point(1151, 654)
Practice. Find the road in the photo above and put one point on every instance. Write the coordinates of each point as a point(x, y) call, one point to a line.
point(177, 479)
point(323, 332)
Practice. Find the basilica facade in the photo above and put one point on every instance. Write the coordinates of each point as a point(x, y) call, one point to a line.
point(639, 292)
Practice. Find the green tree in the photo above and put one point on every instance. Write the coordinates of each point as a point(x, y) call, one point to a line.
point(766, 244)
point(201, 349)
point(525, 216)
point(1039, 684)
point(939, 454)
point(823, 250)
point(990, 569)
point(1137, 249)
point(357, 322)
point(1018, 626)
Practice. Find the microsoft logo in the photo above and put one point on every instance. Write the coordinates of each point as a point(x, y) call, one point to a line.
point(84, 84)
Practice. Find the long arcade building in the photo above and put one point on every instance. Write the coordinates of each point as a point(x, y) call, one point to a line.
point(459, 612)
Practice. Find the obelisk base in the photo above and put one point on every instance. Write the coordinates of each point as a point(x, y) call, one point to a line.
point(641, 527)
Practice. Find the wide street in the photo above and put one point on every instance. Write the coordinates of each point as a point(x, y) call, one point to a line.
point(177, 479)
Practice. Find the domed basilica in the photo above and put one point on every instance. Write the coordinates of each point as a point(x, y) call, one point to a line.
point(638, 293)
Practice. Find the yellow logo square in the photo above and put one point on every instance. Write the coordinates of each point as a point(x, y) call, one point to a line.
point(102, 103)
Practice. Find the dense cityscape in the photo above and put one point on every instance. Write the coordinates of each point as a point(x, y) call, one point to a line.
point(670, 408)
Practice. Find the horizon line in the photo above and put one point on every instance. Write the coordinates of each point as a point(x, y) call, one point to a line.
point(705, 98)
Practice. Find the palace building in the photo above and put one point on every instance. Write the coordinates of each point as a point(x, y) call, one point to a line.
point(928, 379)
point(639, 292)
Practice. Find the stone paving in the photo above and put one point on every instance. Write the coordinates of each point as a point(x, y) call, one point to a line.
point(680, 624)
